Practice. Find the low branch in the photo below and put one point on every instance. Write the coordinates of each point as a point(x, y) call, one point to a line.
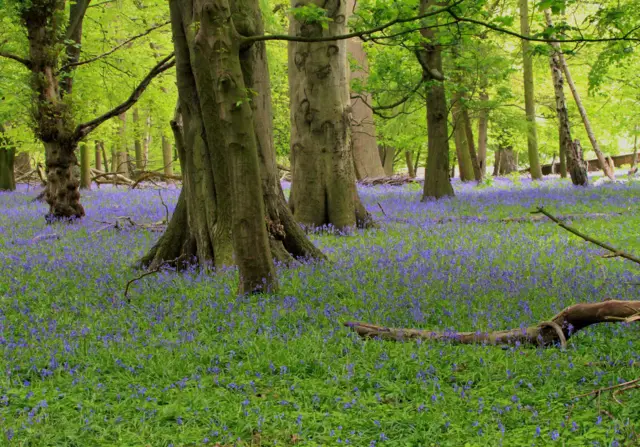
point(114, 49)
point(557, 330)
point(613, 250)
point(84, 129)
point(23, 61)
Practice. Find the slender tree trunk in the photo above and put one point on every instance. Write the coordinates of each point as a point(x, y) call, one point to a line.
point(460, 140)
point(98, 156)
point(167, 159)
point(85, 167)
point(529, 101)
point(363, 129)
point(105, 159)
point(496, 163)
point(634, 160)
point(437, 182)
point(323, 188)
point(409, 158)
point(572, 150)
point(137, 140)
point(416, 164)
point(7, 161)
point(122, 166)
point(608, 171)
point(146, 143)
point(483, 127)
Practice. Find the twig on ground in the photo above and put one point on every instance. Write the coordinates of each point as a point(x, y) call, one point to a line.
point(382, 209)
point(613, 250)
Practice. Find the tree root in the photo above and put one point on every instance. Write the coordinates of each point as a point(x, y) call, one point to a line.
point(555, 331)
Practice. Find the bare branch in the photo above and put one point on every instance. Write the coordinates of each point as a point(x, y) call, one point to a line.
point(84, 129)
point(23, 61)
point(613, 250)
point(114, 49)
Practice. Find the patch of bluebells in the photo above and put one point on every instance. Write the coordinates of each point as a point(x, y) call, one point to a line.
point(189, 362)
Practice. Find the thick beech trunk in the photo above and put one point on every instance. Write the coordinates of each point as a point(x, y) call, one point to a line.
point(506, 162)
point(85, 167)
point(529, 101)
point(231, 208)
point(609, 171)
point(387, 156)
point(323, 189)
point(363, 129)
point(575, 163)
point(437, 183)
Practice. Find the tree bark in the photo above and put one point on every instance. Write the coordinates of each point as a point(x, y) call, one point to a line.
point(167, 155)
point(137, 140)
point(146, 143)
point(323, 189)
point(573, 152)
point(363, 129)
point(437, 183)
point(85, 167)
point(505, 161)
point(231, 208)
point(483, 127)
point(98, 155)
point(7, 178)
point(389, 158)
point(606, 169)
point(529, 101)
point(122, 153)
point(408, 155)
point(461, 140)
point(634, 160)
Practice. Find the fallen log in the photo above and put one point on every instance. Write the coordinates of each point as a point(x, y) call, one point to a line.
point(394, 180)
point(112, 178)
point(547, 333)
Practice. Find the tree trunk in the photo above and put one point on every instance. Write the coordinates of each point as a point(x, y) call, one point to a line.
point(167, 159)
point(323, 189)
point(529, 101)
point(363, 129)
point(146, 142)
point(7, 160)
point(98, 155)
point(416, 164)
point(575, 163)
point(409, 158)
point(461, 140)
point(505, 161)
point(137, 140)
point(483, 127)
point(437, 183)
point(634, 160)
point(85, 167)
point(608, 171)
point(231, 196)
point(389, 157)
point(122, 159)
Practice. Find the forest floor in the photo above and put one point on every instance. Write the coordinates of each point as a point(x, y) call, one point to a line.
point(187, 362)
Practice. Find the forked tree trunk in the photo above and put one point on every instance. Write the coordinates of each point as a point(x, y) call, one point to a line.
point(323, 189)
point(529, 101)
point(609, 171)
point(85, 167)
point(505, 161)
point(575, 163)
point(231, 208)
point(363, 129)
point(437, 183)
